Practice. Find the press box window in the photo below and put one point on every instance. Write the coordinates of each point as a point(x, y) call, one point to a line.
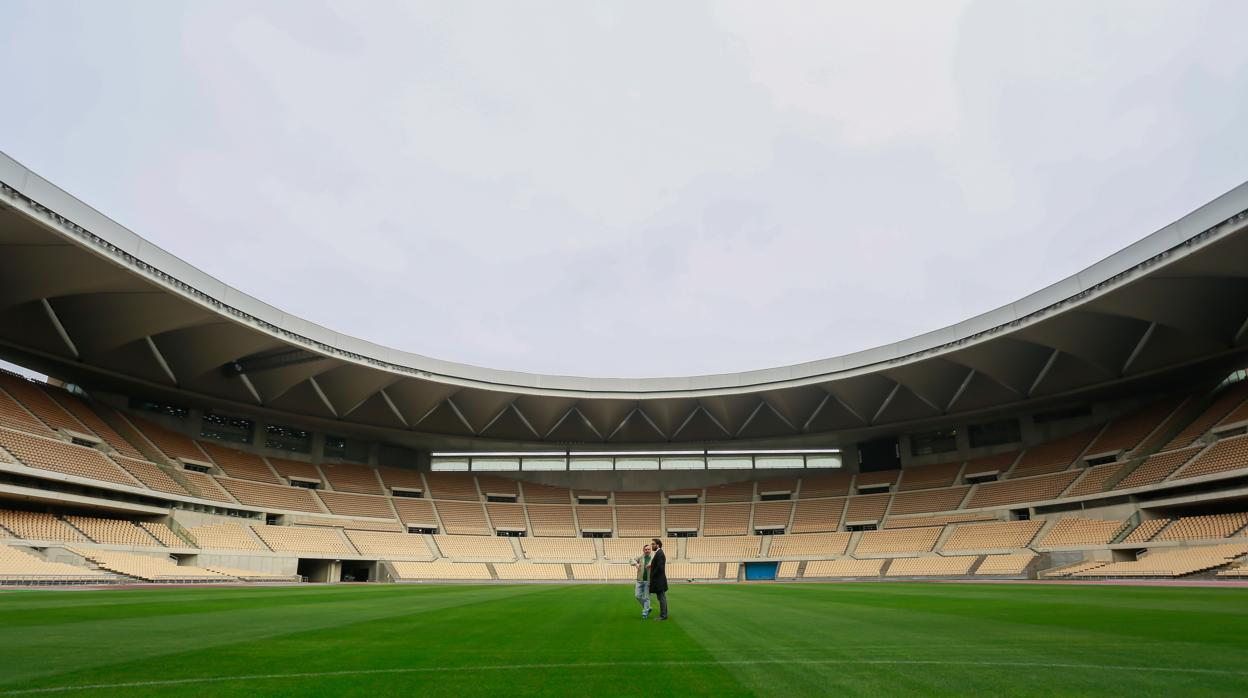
point(343, 448)
point(283, 438)
point(160, 408)
point(939, 441)
point(222, 427)
point(1005, 431)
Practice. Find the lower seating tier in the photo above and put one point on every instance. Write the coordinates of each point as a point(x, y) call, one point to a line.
point(19, 566)
point(844, 567)
point(1170, 562)
point(931, 566)
point(151, 568)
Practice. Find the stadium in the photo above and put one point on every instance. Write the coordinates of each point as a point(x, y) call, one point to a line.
point(204, 494)
point(1095, 430)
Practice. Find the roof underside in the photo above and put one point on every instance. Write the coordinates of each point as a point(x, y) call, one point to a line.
point(81, 305)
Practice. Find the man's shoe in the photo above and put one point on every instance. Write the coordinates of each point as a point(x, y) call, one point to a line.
point(645, 616)
point(662, 617)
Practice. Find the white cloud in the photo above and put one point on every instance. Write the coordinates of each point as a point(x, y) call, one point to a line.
point(655, 188)
point(880, 74)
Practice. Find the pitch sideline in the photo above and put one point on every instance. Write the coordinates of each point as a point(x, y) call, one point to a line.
point(600, 665)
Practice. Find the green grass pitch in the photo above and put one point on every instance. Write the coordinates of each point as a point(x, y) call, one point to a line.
point(722, 640)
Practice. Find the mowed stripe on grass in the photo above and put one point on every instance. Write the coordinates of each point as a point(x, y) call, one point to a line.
point(808, 639)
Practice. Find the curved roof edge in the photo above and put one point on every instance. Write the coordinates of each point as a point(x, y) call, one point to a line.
point(105, 236)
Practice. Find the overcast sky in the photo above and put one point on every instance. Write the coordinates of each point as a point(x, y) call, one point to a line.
point(632, 188)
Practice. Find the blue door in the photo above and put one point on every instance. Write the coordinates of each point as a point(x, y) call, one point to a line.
point(755, 571)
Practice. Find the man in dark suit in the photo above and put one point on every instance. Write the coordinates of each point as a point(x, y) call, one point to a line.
point(658, 576)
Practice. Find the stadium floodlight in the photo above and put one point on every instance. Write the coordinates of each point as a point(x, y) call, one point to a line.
point(498, 454)
point(637, 454)
point(774, 452)
point(627, 454)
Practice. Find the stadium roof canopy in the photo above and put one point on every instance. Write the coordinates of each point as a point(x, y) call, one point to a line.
point(84, 299)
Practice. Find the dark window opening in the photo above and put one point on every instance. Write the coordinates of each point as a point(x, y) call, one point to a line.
point(222, 427)
point(160, 408)
point(1059, 415)
point(880, 454)
point(1005, 431)
point(938, 441)
point(284, 438)
point(346, 449)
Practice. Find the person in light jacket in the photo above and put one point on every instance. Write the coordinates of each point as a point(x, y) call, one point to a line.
point(642, 592)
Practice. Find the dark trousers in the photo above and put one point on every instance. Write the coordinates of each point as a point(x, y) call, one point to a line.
point(662, 603)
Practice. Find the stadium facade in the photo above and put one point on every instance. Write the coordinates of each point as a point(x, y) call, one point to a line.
point(190, 423)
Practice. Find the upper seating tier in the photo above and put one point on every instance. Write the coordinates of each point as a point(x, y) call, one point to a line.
point(415, 512)
point(40, 404)
point(65, 458)
point(297, 469)
point(866, 508)
point(551, 519)
point(927, 476)
point(639, 520)
point(820, 486)
point(1079, 531)
point(1053, 456)
point(452, 486)
point(475, 547)
point(463, 518)
point(1223, 456)
point(388, 546)
point(297, 539)
point(346, 504)
point(347, 477)
point(266, 496)
point(171, 443)
point(817, 515)
point(563, 549)
point(88, 416)
point(14, 416)
point(1032, 489)
point(809, 545)
point(991, 536)
point(239, 464)
point(1125, 433)
point(901, 540)
point(726, 519)
point(929, 500)
point(1226, 402)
